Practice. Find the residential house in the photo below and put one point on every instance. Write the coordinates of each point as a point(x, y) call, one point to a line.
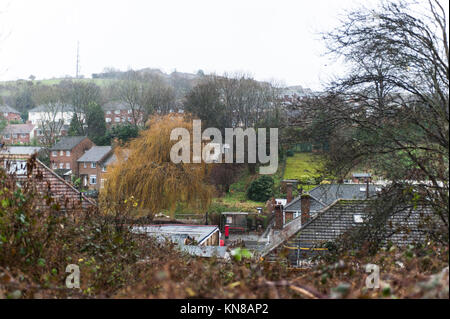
point(9, 114)
point(57, 112)
point(323, 196)
point(14, 159)
point(93, 164)
point(201, 235)
point(330, 210)
point(18, 133)
point(117, 112)
point(51, 131)
point(65, 153)
point(404, 227)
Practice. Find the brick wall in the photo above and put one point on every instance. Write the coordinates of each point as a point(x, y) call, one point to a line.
point(339, 218)
point(88, 171)
point(22, 138)
point(11, 116)
point(49, 183)
point(72, 158)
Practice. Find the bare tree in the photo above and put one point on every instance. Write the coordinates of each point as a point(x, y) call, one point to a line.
point(390, 112)
point(132, 90)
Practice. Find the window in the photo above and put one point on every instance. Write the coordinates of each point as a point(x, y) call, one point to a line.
point(61, 165)
point(93, 165)
point(108, 112)
point(358, 218)
point(84, 165)
point(6, 136)
point(103, 168)
point(117, 119)
point(14, 135)
point(102, 183)
point(67, 153)
point(130, 119)
point(93, 179)
point(107, 120)
point(61, 153)
point(117, 112)
point(55, 166)
point(129, 111)
point(68, 165)
point(23, 135)
point(55, 153)
point(123, 120)
point(229, 219)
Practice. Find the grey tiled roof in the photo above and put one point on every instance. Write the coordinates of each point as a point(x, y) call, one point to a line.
point(67, 143)
point(339, 218)
point(58, 106)
point(18, 129)
point(324, 195)
point(115, 105)
point(95, 154)
point(111, 159)
point(8, 109)
point(295, 205)
point(20, 150)
point(328, 193)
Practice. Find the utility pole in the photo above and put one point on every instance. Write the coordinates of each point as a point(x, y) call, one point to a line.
point(78, 60)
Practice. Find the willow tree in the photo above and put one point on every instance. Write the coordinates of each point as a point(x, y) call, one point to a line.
point(145, 175)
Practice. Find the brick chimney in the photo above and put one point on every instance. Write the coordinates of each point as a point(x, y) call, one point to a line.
point(305, 203)
point(278, 217)
point(289, 192)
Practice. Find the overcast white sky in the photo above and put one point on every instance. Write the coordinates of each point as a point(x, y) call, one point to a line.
point(268, 39)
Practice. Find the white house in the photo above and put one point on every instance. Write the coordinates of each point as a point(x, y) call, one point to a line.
point(52, 112)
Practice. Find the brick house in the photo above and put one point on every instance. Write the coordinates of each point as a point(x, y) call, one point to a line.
point(15, 159)
point(9, 114)
point(43, 132)
point(93, 165)
point(18, 133)
point(65, 153)
point(120, 113)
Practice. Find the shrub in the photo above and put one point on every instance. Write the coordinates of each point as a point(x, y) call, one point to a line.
point(261, 189)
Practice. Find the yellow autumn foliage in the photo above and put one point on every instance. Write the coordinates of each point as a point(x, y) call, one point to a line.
point(144, 170)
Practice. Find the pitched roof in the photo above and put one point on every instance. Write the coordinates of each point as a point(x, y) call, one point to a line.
point(115, 105)
point(328, 193)
point(110, 159)
point(95, 154)
point(67, 143)
point(324, 195)
point(20, 150)
point(18, 128)
point(361, 175)
point(177, 232)
point(295, 205)
point(8, 109)
point(60, 107)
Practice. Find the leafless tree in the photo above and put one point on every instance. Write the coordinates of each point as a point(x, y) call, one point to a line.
point(391, 111)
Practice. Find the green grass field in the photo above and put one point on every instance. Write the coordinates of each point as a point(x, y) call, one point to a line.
point(306, 167)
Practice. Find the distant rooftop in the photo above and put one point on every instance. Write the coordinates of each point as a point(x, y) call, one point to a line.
point(18, 128)
point(67, 143)
point(60, 107)
point(95, 154)
point(8, 109)
point(20, 150)
point(115, 105)
point(177, 233)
